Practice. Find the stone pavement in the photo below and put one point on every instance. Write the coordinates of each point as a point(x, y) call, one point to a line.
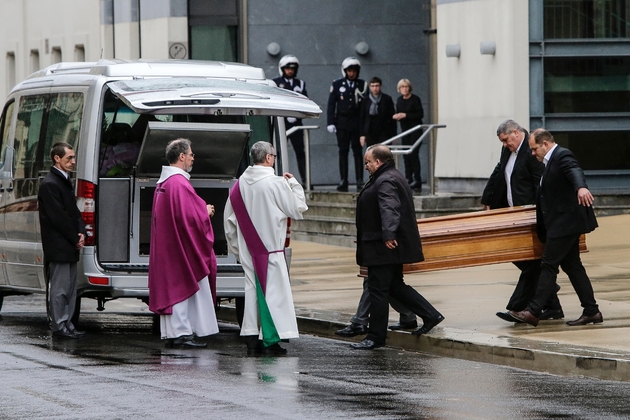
point(326, 290)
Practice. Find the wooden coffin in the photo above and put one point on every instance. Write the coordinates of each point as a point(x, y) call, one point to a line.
point(479, 238)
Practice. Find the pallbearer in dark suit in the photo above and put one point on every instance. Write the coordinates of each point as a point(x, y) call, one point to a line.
point(563, 212)
point(387, 238)
point(514, 182)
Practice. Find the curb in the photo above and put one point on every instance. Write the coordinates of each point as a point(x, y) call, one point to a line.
point(518, 353)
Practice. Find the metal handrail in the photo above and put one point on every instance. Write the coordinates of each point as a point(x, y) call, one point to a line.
point(307, 149)
point(403, 149)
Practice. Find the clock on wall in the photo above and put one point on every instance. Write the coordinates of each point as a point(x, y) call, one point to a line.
point(177, 50)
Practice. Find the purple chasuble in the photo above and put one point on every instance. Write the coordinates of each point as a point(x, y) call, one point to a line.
point(181, 245)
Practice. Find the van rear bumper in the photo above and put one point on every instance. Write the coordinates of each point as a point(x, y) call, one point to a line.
point(131, 280)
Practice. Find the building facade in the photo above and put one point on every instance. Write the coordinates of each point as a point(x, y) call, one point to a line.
point(559, 64)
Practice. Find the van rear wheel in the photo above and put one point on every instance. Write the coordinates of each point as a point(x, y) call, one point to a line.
point(1, 301)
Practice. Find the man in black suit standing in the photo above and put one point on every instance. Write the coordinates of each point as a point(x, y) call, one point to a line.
point(377, 110)
point(563, 212)
point(514, 182)
point(387, 238)
point(63, 235)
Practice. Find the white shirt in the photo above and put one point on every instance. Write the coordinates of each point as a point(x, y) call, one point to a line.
point(65, 174)
point(509, 168)
point(547, 157)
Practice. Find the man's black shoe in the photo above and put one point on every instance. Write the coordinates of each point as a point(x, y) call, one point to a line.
point(366, 345)
point(65, 334)
point(546, 314)
point(507, 317)
point(352, 330)
point(343, 186)
point(404, 326)
point(187, 342)
point(254, 345)
point(428, 325)
point(77, 332)
point(274, 350)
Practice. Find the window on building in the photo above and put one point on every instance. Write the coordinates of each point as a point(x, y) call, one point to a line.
point(56, 55)
point(34, 61)
point(79, 53)
point(213, 29)
point(586, 19)
point(10, 70)
point(593, 148)
point(587, 84)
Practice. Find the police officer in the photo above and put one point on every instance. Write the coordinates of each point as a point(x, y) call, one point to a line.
point(344, 105)
point(288, 67)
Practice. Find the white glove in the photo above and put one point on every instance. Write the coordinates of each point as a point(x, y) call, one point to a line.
point(291, 120)
point(331, 129)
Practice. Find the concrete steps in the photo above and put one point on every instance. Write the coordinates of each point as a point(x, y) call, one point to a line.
point(331, 215)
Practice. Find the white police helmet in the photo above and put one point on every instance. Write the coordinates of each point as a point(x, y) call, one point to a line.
point(350, 62)
point(289, 61)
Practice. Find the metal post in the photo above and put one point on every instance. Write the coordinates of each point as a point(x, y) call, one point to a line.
point(307, 158)
point(307, 149)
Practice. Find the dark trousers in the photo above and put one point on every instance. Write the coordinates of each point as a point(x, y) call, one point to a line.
point(347, 139)
point(62, 294)
point(362, 316)
point(386, 280)
point(525, 289)
point(412, 161)
point(563, 252)
point(297, 141)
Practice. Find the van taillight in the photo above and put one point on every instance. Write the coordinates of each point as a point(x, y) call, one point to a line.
point(287, 241)
point(86, 193)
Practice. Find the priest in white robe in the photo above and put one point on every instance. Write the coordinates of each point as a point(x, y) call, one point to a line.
point(255, 221)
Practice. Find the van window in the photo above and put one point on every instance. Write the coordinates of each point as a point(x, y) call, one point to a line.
point(64, 124)
point(123, 131)
point(42, 121)
point(5, 125)
point(27, 133)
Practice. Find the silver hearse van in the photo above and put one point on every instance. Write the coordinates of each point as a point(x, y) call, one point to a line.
point(119, 115)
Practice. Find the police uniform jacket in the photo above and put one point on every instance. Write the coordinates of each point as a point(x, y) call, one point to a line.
point(344, 103)
point(385, 211)
point(59, 218)
point(295, 85)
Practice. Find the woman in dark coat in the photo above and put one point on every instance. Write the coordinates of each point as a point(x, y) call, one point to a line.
point(409, 113)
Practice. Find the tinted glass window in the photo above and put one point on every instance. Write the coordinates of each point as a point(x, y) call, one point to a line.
point(585, 84)
point(27, 133)
point(64, 123)
point(586, 19)
point(5, 125)
point(593, 149)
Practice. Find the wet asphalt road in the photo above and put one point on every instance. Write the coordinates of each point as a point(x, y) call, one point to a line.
point(120, 370)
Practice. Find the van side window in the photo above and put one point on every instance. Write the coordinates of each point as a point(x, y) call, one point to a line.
point(64, 124)
point(27, 133)
point(5, 126)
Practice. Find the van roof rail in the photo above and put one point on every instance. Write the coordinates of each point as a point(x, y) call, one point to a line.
point(156, 68)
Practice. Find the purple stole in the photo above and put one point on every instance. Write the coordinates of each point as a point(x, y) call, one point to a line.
point(260, 259)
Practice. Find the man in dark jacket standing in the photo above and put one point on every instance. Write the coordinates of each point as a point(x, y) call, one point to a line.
point(563, 212)
point(63, 235)
point(514, 182)
point(377, 110)
point(387, 238)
